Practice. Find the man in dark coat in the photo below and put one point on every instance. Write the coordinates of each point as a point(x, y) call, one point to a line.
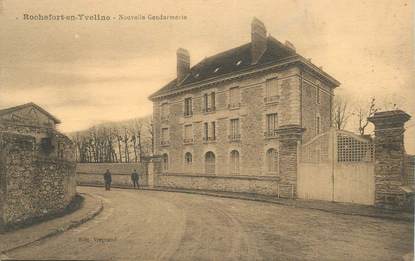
point(107, 179)
point(134, 178)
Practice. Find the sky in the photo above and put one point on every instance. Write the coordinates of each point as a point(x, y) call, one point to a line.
point(89, 72)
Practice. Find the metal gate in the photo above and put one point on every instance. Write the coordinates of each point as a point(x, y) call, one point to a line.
point(337, 166)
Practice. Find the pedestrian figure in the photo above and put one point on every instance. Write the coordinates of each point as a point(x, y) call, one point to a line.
point(134, 178)
point(107, 179)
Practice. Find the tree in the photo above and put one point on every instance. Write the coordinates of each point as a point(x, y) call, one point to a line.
point(341, 113)
point(150, 129)
point(364, 111)
point(114, 142)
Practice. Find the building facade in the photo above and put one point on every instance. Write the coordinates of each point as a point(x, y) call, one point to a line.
point(228, 115)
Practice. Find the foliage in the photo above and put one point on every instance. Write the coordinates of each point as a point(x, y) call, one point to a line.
point(115, 142)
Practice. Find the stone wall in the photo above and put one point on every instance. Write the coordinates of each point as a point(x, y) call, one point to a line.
point(92, 173)
point(34, 183)
point(258, 185)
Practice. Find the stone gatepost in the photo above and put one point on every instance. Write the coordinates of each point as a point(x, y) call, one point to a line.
point(153, 164)
point(389, 158)
point(289, 137)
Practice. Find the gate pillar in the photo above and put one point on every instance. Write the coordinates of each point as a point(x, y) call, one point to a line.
point(289, 137)
point(389, 157)
point(153, 165)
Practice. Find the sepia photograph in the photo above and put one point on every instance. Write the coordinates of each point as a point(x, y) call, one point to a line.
point(207, 130)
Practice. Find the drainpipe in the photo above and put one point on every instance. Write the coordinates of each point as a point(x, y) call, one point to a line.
point(334, 158)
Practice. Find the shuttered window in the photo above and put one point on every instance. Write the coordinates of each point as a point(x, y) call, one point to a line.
point(188, 107)
point(272, 122)
point(164, 111)
point(234, 129)
point(271, 87)
point(234, 97)
point(164, 134)
point(188, 132)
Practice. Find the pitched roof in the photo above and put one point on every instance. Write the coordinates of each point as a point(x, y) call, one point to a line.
point(232, 61)
point(30, 104)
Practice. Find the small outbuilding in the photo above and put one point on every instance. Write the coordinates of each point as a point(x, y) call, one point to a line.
point(37, 165)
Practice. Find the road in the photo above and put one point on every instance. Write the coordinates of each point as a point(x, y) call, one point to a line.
point(151, 225)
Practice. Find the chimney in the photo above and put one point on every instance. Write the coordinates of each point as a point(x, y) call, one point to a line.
point(258, 40)
point(183, 64)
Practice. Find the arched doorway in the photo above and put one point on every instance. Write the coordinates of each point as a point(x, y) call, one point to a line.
point(234, 163)
point(210, 164)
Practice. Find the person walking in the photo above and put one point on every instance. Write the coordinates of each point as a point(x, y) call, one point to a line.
point(135, 178)
point(107, 179)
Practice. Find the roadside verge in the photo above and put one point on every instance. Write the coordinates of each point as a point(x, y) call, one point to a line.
point(13, 240)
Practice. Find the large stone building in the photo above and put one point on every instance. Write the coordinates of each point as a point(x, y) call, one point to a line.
point(37, 165)
point(237, 113)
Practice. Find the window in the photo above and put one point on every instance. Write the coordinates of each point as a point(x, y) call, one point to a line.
point(234, 164)
point(164, 136)
point(272, 161)
point(271, 90)
point(205, 131)
point(209, 134)
point(213, 131)
point(209, 101)
point(206, 101)
point(188, 159)
point(60, 151)
point(165, 165)
point(272, 124)
point(188, 133)
point(210, 164)
point(212, 101)
point(46, 145)
point(188, 110)
point(318, 125)
point(318, 94)
point(164, 111)
point(234, 130)
point(234, 98)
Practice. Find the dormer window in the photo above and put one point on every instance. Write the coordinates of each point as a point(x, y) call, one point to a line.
point(216, 70)
point(196, 75)
point(238, 62)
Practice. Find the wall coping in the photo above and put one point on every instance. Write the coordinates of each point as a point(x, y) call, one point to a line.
point(102, 174)
point(222, 177)
point(388, 118)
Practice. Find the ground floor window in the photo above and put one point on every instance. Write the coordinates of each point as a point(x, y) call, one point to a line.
point(272, 161)
point(188, 159)
point(165, 162)
point(210, 164)
point(234, 162)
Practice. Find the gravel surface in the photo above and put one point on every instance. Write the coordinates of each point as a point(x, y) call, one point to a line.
point(153, 225)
